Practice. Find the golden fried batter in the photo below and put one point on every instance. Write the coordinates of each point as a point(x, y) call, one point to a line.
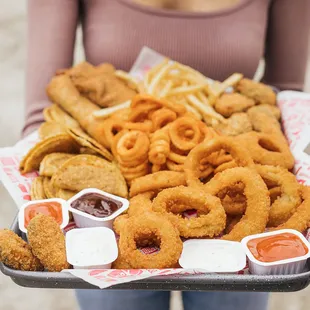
point(99, 84)
point(16, 253)
point(267, 109)
point(259, 92)
point(228, 104)
point(237, 124)
point(150, 229)
point(48, 242)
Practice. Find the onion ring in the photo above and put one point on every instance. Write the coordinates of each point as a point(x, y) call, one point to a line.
point(120, 262)
point(140, 204)
point(300, 220)
point(274, 193)
point(233, 199)
point(205, 172)
point(156, 182)
point(285, 205)
point(255, 190)
point(217, 158)
point(205, 149)
point(225, 166)
point(267, 149)
point(210, 223)
point(231, 222)
point(119, 223)
point(145, 228)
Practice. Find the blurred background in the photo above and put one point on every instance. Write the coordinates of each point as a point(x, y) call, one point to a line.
point(13, 24)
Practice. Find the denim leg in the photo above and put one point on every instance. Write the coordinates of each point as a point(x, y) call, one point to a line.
point(120, 300)
point(225, 301)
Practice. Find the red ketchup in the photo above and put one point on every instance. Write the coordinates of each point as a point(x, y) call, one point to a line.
point(277, 247)
point(53, 209)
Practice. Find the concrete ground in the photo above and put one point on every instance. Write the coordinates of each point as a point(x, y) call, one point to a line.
point(12, 59)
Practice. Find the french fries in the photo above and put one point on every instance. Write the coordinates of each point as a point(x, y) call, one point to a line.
point(182, 85)
point(106, 112)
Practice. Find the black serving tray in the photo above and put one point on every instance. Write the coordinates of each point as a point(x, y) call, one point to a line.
point(207, 282)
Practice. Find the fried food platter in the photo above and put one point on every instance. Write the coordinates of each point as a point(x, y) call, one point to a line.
point(162, 162)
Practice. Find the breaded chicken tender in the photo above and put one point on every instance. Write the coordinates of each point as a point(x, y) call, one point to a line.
point(16, 253)
point(259, 92)
point(228, 104)
point(48, 242)
point(99, 84)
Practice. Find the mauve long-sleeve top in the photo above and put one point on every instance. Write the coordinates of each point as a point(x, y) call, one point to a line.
point(215, 43)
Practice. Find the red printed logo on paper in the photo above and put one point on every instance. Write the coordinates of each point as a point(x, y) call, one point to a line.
point(95, 272)
point(117, 273)
point(146, 68)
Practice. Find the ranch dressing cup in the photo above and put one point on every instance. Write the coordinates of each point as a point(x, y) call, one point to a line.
point(213, 255)
point(95, 208)
point(91, 248)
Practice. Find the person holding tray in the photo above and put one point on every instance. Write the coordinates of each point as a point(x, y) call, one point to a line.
point(215, 37)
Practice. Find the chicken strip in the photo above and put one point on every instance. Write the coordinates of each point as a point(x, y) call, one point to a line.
point(16, 253)
point(48, 242)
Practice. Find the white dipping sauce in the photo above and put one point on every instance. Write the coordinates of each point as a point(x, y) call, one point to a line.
point(94, 246)
point(213, 255)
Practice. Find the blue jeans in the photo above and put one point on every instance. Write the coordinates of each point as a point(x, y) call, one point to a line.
point(157, 300)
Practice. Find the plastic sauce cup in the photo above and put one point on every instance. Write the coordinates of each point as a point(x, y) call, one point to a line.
point(91, 248)
point(83, 219)
point(213, 255)
point(281, 267)
point(38, 206)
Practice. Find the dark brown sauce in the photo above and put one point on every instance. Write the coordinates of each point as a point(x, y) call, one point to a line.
point(96, 205)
